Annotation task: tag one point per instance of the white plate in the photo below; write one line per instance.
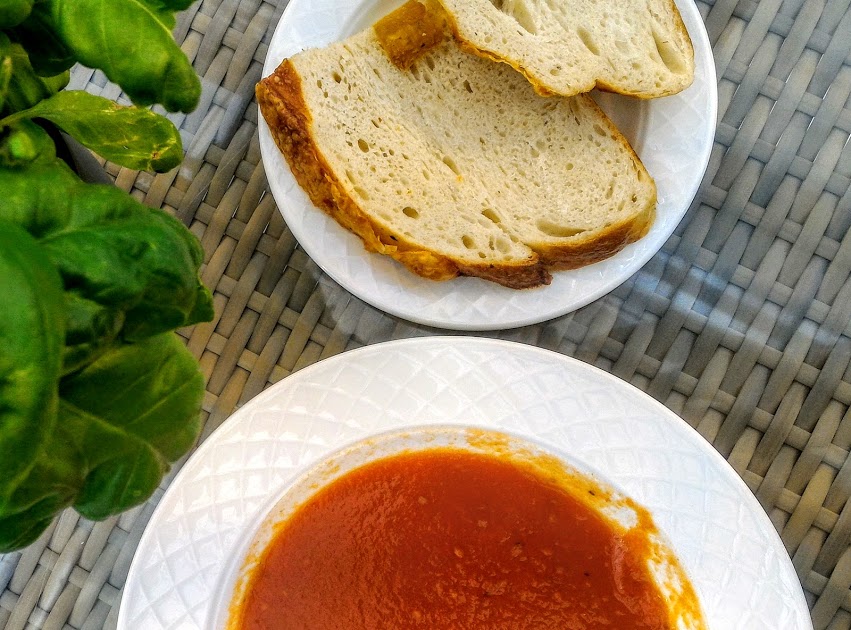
(673, 136)
(736, 560)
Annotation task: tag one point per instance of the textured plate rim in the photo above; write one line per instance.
(558, 302)
(412, 346)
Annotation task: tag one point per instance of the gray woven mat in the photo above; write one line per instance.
(740, 324)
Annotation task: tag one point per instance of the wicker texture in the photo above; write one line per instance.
(740, 324)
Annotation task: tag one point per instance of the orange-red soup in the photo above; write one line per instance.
(451, 539)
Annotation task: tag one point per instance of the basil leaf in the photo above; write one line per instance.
(31, 337)
(25, 143)
(130, 136)
(131, 42)
(6, 68)
(13, 12)
(158, 286)
(121, 483)
(90, 330)
(25, 87)
(111, 249)
(47, 52)
(121, 422)
(38, 198)
(134, 410)
(50, 487)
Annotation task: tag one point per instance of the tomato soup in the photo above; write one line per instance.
(451, 539)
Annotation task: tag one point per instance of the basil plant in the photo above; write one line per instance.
(98, 396)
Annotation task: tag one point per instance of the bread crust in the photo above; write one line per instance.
(600, 244)
(283, 106)
(596, 245)
(544, 89)
(410, 31)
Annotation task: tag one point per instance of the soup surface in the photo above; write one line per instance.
(446, 538)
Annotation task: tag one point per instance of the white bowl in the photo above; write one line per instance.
(573, 477)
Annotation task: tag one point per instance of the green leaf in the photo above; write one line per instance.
(13, 12)
(40, 198)
(25, 87)
(111, 249)
(157, 287)
(57, 82)
(131, 42)
(5, 78)
(6, 68)
(120, 483)
(31, 337)
(48, 54)
(21, 529)
(130, 136)
(122, 421)
(135, 409)
(49, 487)
(25, 143)
(91, 329)
(101, 434)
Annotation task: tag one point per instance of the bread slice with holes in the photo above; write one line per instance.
(455, 165)
(635, 47)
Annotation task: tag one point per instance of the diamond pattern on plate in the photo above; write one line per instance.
(673, 138)
(180, 577)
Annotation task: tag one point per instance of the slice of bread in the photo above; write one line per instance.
(635, 47)
(456, 166)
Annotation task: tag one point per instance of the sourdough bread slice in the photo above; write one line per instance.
(456, 166)
(635, 47)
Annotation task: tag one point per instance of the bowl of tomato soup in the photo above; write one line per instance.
(456, 528)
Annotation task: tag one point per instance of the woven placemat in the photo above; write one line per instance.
(740, 324)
